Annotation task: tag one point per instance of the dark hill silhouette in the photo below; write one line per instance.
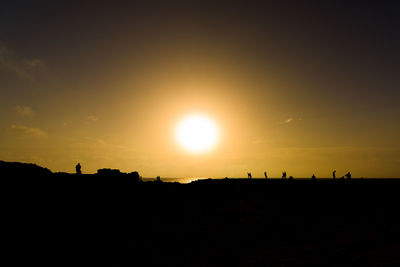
(62, 219)
(13, 169)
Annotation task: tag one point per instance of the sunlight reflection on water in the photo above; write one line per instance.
(173, 180)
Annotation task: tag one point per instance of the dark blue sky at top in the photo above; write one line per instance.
(354, 44)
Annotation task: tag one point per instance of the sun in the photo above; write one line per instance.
(197, 133)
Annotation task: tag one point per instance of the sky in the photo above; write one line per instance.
(304, 87)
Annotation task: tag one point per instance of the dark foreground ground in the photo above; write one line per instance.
(93, 221)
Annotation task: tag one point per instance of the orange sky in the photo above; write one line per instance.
(302, 90)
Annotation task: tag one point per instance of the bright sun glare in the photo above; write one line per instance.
(197, 133)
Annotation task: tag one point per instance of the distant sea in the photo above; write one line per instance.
(189, 180)
(173, 180)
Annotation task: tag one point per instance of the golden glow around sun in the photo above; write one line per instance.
(197, 133)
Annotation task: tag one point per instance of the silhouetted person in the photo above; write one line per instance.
(78, 169)
(348, 176)
(265, 174)
(249, 175)
(284, 175)
(313, 177)
(334, 174)
(158, 179)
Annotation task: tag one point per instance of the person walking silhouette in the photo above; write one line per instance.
(265, 174)
(284, 175)
(249, 175)
(78, 169)
(334, 174)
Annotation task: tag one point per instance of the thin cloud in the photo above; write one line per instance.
(93, 118)
(101, 142)
(24, 111)
(33, 63)
(25, 131)
(24, 68)
(288, 120)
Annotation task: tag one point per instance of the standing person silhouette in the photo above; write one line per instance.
(249, 175)
(265, 174)
(78, 169)
(284, 175)
(334, 174)
(348, 176)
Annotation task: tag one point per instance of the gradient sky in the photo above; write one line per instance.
(301, 86)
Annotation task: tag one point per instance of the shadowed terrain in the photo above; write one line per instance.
(62, 219)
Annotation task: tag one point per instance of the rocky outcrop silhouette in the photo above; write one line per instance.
(109, 172)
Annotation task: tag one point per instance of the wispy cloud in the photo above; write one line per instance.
(101, 142)
(93, 118)
(25, 131)
(32, 63)
(10, 61)
(24, 111)
(288, 120)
